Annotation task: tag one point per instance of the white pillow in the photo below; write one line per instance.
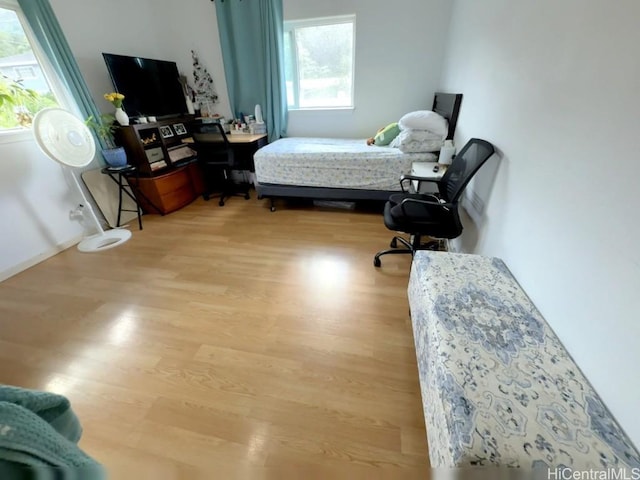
(410, 134)
(424, 120)
(417, 141)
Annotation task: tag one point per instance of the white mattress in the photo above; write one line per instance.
(334, 163)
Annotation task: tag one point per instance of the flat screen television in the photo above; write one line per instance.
(150, 87)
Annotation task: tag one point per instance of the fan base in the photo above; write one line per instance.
(104, 240)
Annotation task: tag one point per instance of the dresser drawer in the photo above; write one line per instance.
(154, 154)
(178, 198)
(172, 181)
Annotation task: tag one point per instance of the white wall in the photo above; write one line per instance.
(192, 25)
(398, 55)
(35, 200)
(554, 86)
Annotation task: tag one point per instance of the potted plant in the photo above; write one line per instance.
(105, 127)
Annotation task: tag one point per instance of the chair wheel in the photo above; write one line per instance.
(247, 197)
(376, 262)
(205, 196)
(273, 209)
(394, 243)
(221, 203)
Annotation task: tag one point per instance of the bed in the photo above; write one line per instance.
(340, 169)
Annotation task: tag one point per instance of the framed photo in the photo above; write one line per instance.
(179, 129)
(166, 132)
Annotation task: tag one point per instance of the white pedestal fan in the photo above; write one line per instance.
(66, 139)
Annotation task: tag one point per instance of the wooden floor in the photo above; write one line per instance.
(228, 343)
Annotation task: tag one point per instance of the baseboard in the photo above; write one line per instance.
(21, 267)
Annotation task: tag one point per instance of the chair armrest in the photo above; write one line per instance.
(435, 203)
(416, 178)
(425, 196)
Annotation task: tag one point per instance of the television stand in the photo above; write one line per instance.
(168, 173)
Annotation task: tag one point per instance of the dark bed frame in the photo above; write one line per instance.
(445, 104)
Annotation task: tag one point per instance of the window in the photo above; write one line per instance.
(319, 62)
(24, 88)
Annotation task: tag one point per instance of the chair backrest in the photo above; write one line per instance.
(464, 166)
(212, 144)
(210, 133)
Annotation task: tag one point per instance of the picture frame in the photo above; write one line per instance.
(166, 131)
(179, 128)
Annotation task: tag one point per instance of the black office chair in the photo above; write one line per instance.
(216, 160)
(436, 214)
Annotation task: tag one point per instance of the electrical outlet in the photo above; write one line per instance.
(77, 213)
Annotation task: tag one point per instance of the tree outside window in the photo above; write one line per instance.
(319, 60)
(24, 89)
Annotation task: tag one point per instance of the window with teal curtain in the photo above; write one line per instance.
(47, 31)
(251, 36)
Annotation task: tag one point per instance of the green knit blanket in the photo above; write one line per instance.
(38, 437)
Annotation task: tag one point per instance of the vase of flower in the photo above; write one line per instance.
(121, 116)
(116, 100)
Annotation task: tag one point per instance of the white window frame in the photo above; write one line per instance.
(290, 26)
(9, 135)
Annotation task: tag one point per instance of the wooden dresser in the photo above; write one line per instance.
(170, 191)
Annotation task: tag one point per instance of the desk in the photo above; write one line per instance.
(246, 138)
(244, 146)
(425, 170)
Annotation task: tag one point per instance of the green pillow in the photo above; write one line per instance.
(386, 135)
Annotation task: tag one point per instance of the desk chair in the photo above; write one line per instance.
(435, 215)
(216, 159)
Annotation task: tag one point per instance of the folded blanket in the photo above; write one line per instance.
(38, 436)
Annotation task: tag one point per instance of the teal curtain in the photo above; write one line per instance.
(47, 30)
(252, 40)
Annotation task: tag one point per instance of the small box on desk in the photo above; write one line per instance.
(257, 128)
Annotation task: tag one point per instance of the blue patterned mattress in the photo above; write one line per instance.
(498, 387)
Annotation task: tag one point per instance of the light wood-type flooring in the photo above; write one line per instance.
(228, 342)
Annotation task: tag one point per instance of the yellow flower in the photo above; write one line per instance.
(115, 98)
